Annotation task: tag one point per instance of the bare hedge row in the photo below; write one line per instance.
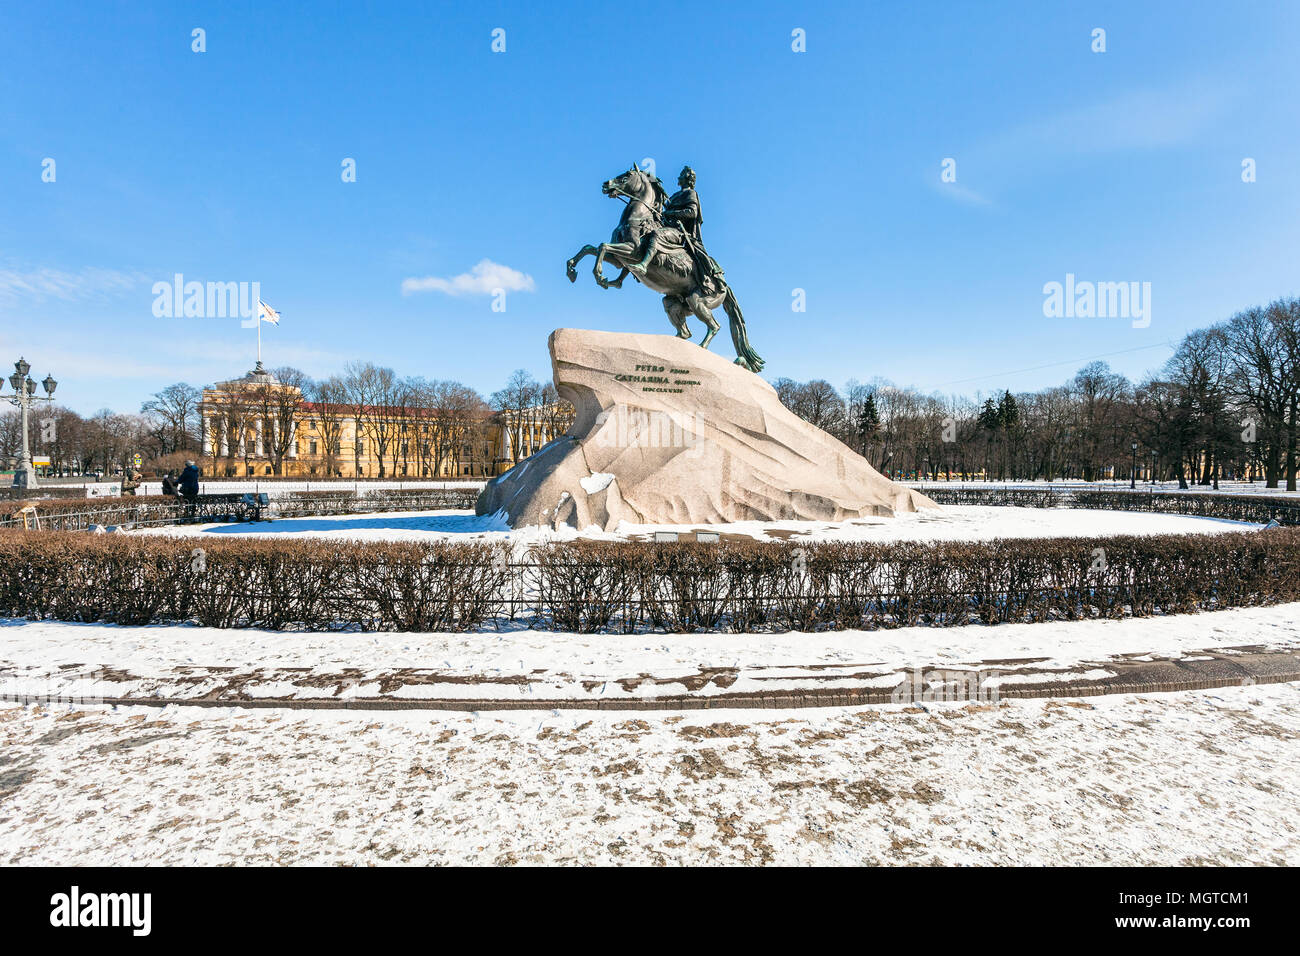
(10, 493)
(162, 509)
(602, 586)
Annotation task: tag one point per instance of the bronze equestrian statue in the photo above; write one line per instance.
(657, 241)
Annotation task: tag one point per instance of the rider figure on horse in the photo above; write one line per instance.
(682, 213)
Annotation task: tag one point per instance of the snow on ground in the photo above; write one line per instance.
(968, 523)
(49, 659)
(1205, 777)
(382, 526)
(952, 523)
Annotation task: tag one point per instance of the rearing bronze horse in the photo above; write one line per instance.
(671, 271)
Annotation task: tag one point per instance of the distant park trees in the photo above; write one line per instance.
(1225, 404)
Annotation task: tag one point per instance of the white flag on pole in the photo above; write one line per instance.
(267, 314)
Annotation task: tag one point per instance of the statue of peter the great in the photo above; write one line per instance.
(657, 240)
(681, 226)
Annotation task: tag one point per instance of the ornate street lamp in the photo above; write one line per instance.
(1132, 475)
(24, 394)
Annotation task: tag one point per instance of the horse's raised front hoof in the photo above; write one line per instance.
(570, 271)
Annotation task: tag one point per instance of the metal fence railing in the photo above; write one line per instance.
(1257, 509)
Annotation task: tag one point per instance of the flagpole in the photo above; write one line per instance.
(259, 334)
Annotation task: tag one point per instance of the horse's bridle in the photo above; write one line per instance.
(615, 188)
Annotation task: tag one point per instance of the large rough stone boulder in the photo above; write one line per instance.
(670, 433)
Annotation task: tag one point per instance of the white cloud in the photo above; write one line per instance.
(483, 279)
(42, 284)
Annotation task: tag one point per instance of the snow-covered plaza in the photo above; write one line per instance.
(1193, 778)
(953, 523)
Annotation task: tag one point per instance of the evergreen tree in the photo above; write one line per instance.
(868, 423)
(1008, 412)
(988, 417)
(989, 422)
(1008, 416)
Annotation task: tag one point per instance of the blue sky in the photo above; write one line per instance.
(817, 170)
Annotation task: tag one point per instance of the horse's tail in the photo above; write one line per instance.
(745, 354)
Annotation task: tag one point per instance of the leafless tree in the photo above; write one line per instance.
(275, 407)
(330, 407)
(11, 434)
(516, 405)
(371, 390)
(172, 418)
(1264, 374)
(557, 413)
(112, 439)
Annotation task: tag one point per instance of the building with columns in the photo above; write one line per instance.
(257, 426)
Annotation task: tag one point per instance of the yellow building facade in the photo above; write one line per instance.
(256, 426)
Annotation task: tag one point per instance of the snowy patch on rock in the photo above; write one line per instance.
(594, 483)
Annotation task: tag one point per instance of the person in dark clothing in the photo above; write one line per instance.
(189, 484)
(169, 487)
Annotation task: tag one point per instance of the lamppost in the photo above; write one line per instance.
(1133, 473)
(24, 395)
(1153, 469)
